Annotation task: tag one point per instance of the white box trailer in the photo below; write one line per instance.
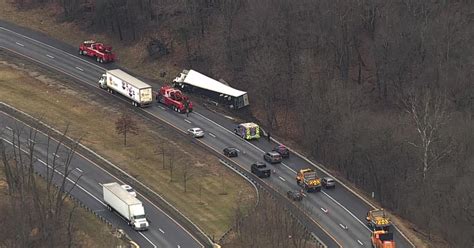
(131, 87)
(118, 199)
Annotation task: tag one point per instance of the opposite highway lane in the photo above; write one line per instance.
(345, 215)
(163, 231)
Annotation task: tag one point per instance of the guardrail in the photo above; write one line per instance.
(151, 195)
(255, 182)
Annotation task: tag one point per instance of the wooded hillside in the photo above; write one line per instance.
(380, 91)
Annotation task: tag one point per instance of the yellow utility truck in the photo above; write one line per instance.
(308, 180)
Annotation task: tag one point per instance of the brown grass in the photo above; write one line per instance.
(93, 118)
(132, 56)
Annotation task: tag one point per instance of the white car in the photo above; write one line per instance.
(196, 132)
(130, 190)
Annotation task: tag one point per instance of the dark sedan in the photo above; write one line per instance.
(231, 152)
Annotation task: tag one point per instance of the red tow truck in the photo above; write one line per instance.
(102, 53)
(174, 99)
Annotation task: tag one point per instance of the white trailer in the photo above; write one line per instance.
(131, 87)
(118, 199)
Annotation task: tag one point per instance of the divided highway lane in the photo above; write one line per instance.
(352, 208)
(163, 232)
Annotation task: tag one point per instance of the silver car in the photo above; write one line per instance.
(328, 182)
(196, 132)
(130, 190)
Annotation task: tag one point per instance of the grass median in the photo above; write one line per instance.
(212, 190)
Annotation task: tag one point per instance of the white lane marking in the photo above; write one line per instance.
(49, 56)
(161, 230)
(31, 141)
(56, 155)
(360, 242)
(324, 210)
(161, 107)
(77, 168)
(347, 210)
(79, 186)
(179, 246)
(197, 113)
(57, 49)
(9, 128)
(154, 246)
(61, 174)
(18, 43)
(79, 68)
(99, 167)
(212, 135)
(188, 121)
(318, 167)
(257, 148)
(281, 178)
(343, 227)
(229, 117)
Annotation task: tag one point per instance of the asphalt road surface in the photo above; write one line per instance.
(163, 231)
(340, 211)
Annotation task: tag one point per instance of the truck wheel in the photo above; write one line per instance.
(97, 58)
(80, 52)
(101, 60)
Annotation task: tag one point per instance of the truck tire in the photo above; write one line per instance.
(101, 60)
(80, 52)
(97, 58)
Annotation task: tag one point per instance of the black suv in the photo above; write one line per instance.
(272, 157)
(231, 152)
(260, 169)
(283, 150)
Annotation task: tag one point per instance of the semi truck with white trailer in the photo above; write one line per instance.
(140, 93)
(129, 207)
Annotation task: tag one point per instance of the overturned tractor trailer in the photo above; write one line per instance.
(140, 93)
(193, 81)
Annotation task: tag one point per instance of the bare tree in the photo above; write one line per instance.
(187, 174)
(41, 217)
(171, 164)
(125, 125)
(161, 151)
(429, 113)
(268, 225)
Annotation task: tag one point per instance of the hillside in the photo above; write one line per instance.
(381, 92)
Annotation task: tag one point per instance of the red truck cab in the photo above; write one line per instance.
(174, 99)
(102, 53)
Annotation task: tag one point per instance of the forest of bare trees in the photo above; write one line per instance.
(269, 225)
(380, 91)
(37, 213)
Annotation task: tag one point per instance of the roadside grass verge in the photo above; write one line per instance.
(212, 191)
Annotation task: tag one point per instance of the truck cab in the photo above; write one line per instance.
(139, 222)
(308, 180)
(378, 219)
(103, 81)
(382, 239)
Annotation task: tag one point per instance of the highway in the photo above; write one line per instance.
(163, 231)
(340, 211)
